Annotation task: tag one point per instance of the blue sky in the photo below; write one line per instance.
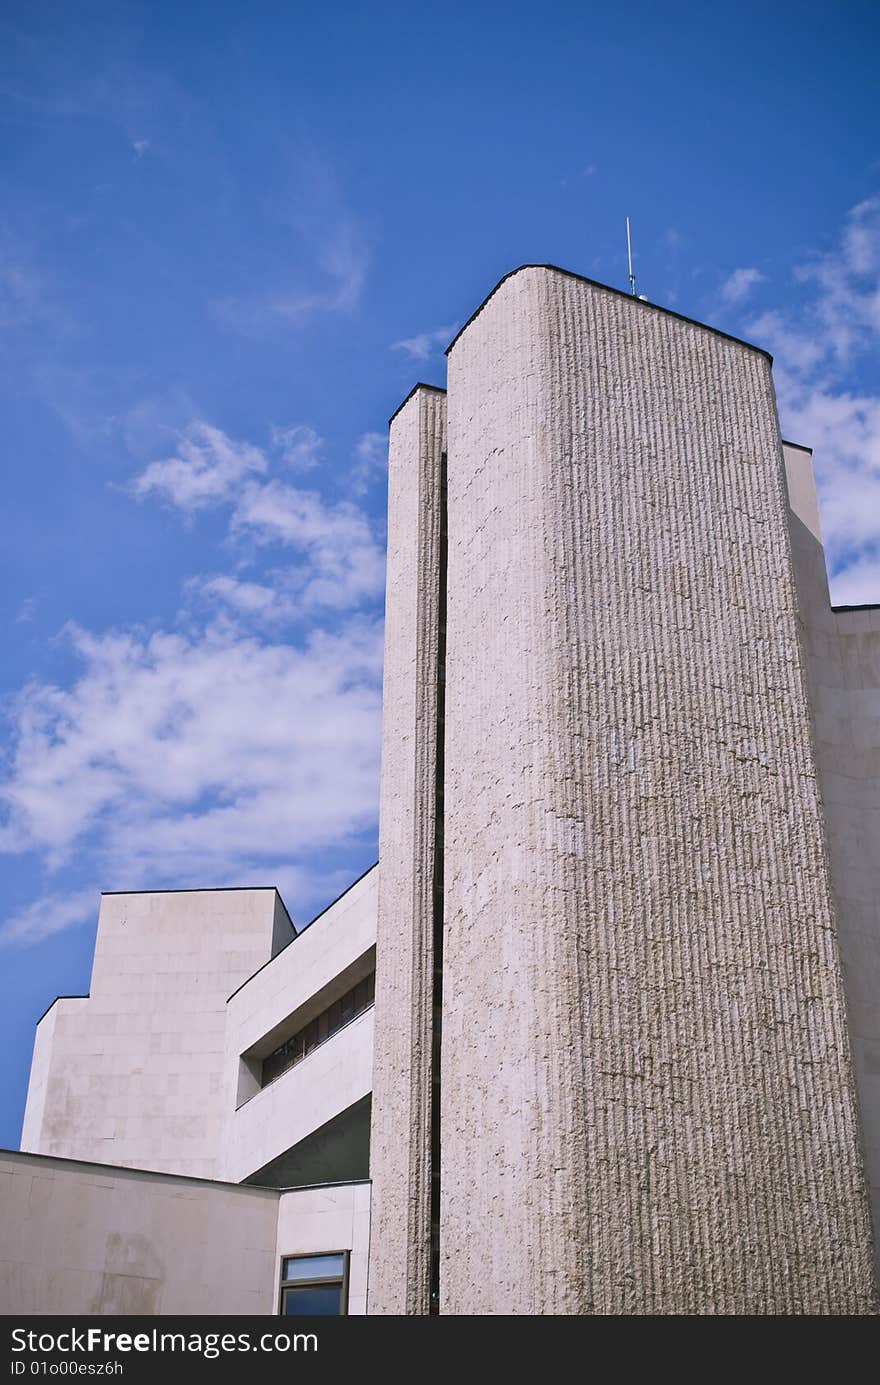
(231, 239)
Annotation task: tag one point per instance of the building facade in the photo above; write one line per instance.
(600, 1033)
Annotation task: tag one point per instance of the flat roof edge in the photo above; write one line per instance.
(312, 1187)
(211, 889)
(83, 995)
(619, 293)
(419, 385)
(203, 889)
(798, 446)
(132, 1169)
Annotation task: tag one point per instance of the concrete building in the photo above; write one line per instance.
(600, 1033)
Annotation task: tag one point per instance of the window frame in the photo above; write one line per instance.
(296, 1047)
(341, 1280)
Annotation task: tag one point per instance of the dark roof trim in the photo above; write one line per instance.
(203, 889)
(309, 1187)
(437, 389)
(135, 1170)
(867, 606)
(798, 446)
(84, 995)
(619, 293)
(304, 929)
(215, 889)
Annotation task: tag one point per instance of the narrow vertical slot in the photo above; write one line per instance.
(437, 984)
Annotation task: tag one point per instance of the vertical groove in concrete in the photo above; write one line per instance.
(438, 905)
(648, 1104)
(400, 1162)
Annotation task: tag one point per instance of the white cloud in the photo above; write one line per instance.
(425, 344)
(341, 559)
(370, 461)
(300, 446)
(140, 147)
(205, 469)
(740, 283)
(813, 345)
(858, 583)
(848, 282)
(844, 431)
(215, 753)
(252, 599)
(53, 913)
(344, 561)
(795, 347)
(178, 759)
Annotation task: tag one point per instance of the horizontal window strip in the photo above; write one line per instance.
(318, 1030)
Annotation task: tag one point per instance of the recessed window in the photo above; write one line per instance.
(322, 1027)
(314, 1285)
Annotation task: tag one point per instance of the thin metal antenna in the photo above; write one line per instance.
(629, 256)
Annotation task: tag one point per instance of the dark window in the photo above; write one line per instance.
(314, 1285)
(322, 1027)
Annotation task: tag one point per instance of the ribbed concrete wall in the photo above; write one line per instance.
(648, 1102)
(400, 1134)
(843, 662)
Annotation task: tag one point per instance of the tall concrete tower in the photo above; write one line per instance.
(612, 1071)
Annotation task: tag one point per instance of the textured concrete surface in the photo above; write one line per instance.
(648, 1087)
(133, 1074)
(400, 1154)
(648, 1101)
(843, 660)
(85, 1239)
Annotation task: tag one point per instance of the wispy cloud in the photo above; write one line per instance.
(340, 559)
(333, 283)
(259, 602)
(343, 562)
(205, 469)
(848, 282)
(27, 610)
(53, 913)
(241, 744)
(738, 285)
(370, 461)
(588, 171)
(328, 255)
(300, 446)
(795, 349)
(814, 346)
(425, 344)
(175, 759)
(28, 301)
